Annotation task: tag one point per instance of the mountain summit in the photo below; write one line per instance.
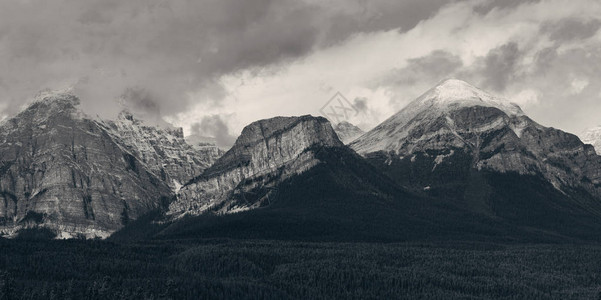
(433, 110)
(62, 170)
(454, 93)
(79, 176)
(267, 152)
(461, 142)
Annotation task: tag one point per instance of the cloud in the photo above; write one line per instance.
(571, 28)
(172, 49)
(431, 67)
(527, 98)
(216, 127)
(260, 58)
(360, 104)
(578, 85)
(500, 66)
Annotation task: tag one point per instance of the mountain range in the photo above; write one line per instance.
(79, 176)
(457, 162)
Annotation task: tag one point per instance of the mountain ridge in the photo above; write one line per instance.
(82, 176)
(266, 152)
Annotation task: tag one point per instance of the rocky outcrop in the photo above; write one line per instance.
(347, 132)
(64, 171)
(164, 151)
(490, 133)
(267, 152)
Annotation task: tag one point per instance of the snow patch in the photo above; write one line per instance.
(440, 158)
(518, 128)
(176, 186)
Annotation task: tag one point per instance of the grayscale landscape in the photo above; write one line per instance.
(300, 149)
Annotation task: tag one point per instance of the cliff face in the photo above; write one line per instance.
(61, 170)
(456, 124)
(164, 151)
(267, 152)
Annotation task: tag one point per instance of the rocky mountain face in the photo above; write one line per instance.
(451, 142)
(164, 151)
(266, 153)
(347, 132)
(80, 176)
(592, 136)
(62, 170)
(455, 163)
(455, 117)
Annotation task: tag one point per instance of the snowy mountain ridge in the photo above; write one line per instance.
(82, 176)
(163, 150)
(452, 93)
(449, 96)
(456, 121)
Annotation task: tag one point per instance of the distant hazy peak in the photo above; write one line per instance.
(347, 132)
(126, 115)
(51, 103)
(593, 136)
(52, 95)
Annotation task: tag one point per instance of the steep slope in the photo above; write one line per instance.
(61, 170)
(164, 151)
(347, 132)
(457, 142)
(340, 198)
(592, 136)
(267, 152)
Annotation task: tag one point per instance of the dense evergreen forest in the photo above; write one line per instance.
(260, 269)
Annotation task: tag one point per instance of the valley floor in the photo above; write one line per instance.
(257, 269)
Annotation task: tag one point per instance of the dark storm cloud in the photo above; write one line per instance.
(487, 6)
(169, 48)
(432, 67)
(214, 126)
(172, 48)
(360, 104)
(375, 15)
(544, 59)
(571, 29)
(501, 66)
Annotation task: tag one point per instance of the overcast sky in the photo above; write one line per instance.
(213, 66)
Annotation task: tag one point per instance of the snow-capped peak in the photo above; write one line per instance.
(439, 102)
(53, 95)
(454, 93)
(49, 102)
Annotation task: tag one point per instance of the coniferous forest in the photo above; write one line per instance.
(257, 269)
